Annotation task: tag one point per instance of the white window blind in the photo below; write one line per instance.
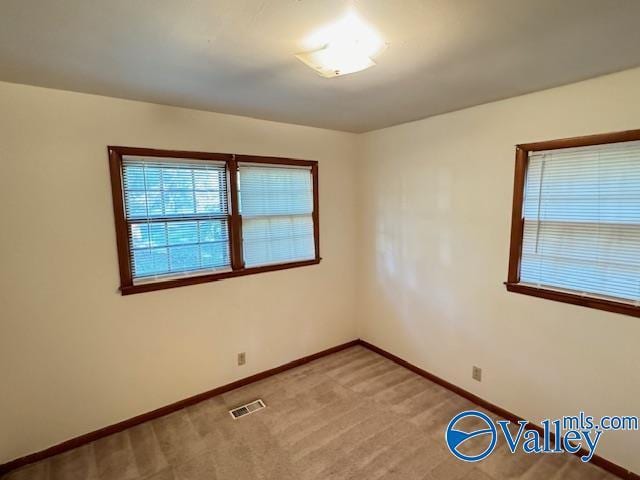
(177, 215)
(276, 204)
(582, 221)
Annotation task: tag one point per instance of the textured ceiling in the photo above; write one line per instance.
(236, 56)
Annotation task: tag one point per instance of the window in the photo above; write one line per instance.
(191, 217)
(276, 204)
(177, 217)
(576, 222)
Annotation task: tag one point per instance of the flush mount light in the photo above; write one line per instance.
(346, 46)
(333, 61)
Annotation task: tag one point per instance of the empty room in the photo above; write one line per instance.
(319, 239)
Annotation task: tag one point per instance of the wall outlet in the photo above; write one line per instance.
(476, 373)
(242, 358)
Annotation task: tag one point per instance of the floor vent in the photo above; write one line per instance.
(247, 409)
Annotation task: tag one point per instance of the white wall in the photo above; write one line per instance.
(74, 354)
(436, 205)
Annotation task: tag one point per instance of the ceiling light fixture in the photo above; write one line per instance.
(346, 46)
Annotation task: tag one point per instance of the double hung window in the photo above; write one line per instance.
(192, 217)
(576, 221)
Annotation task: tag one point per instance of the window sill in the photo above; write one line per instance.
(575, 299)
(181, 282)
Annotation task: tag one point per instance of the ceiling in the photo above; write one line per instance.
(237, 56)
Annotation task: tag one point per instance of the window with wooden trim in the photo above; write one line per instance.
(192, 217)
(576, 221)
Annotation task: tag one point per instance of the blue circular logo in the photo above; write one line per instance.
(455, 438)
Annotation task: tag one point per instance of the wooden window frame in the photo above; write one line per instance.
(127, 287)
(517, 224)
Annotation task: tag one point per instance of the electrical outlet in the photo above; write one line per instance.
(242, 358)
(476, 373)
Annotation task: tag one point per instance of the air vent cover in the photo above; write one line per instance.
(247, 409)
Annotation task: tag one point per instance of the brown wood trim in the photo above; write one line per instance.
(235, 219)
(575, 299)
(507, 415)
(235, 225)
(145, 417)
(122, 236)
(276, 160)
(589, 140)
(316, 208)
(182, 282)
(155, 152)
(517, 219)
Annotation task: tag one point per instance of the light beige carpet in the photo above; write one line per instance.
(351, 415)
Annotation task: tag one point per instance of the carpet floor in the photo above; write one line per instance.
(350, 415)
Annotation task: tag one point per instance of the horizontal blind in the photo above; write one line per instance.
(177, 216)
(582, 221)
(276, 204)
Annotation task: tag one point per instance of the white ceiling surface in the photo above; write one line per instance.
(237, 56)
